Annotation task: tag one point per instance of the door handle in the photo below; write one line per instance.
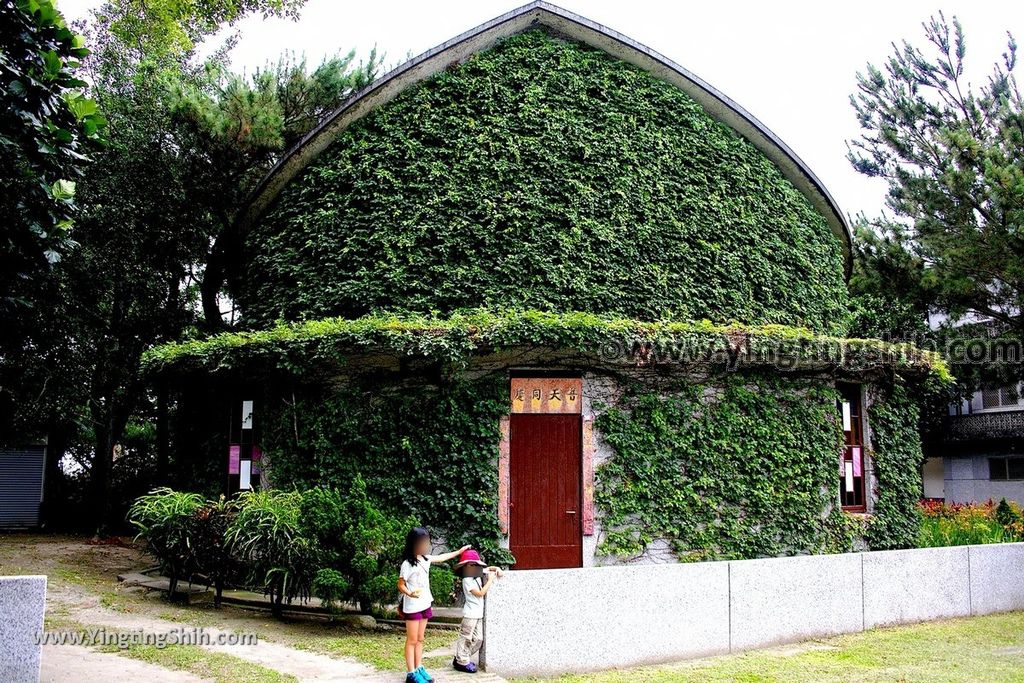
(570, 512)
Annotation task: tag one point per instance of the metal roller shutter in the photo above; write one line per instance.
(21, 486)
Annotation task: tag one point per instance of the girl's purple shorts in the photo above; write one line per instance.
(417, 616)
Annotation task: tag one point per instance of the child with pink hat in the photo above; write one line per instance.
(471, 568)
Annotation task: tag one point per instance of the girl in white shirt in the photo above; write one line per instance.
(415, 599)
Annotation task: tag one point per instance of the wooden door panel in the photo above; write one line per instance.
(545, 471)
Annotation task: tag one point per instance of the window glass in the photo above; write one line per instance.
(1015, 468)
(851, 465)
(990, 398)
(996, 468)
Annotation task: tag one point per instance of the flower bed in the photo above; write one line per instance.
(970, 524)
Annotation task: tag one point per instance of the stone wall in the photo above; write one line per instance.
(22, 605)
(574, 620)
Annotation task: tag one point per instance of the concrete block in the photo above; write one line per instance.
(906, 586)
(22, 605)
(961, 468)
(997, 579)
(574, 620)
(788, 599)
(960, 491)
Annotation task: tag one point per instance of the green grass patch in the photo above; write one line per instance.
(989, 648)
(216, 666)
(381, 649)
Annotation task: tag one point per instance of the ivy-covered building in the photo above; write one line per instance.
(551, 292)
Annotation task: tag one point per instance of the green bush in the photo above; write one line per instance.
(335, 545)
(267, 537)
(211, 557)
(442, 585)
(165, 519)
(1006, 514)
(355, 539)
(331, 587)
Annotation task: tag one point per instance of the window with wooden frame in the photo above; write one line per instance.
(852, 473)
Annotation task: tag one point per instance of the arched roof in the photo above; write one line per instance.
(574, 27)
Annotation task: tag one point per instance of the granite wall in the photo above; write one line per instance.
(22, 604)
(574, 620)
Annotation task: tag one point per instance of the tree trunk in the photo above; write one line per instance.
(57, 434)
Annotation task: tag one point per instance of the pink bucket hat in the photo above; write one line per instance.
(469, 557)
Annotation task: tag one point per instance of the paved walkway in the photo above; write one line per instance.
(63, 663)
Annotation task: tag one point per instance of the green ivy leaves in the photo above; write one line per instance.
(548, 175)
(744, 467)
(897, 458)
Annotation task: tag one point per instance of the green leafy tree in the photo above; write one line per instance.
(184, 142)
(953, 157)
(48, 129)
(242, 126)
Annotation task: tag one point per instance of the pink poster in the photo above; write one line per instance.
(234, 454)
(857, 460)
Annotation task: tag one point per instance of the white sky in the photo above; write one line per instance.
(791, 64)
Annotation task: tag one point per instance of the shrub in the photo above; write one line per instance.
(358, 540)
(331, 587)
(336, 545)
(211, 558)
(442, 586)
(1007, 513)
(268, 537)
(164, 518)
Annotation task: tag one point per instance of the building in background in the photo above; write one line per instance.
(979, 453)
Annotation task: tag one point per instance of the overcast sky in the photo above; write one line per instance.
(791, 64)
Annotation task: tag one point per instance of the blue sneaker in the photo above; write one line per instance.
(414, 677)
(424, 676)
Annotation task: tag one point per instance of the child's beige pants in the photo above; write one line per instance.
(471, 637)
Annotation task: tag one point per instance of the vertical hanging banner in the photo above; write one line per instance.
(234, 456)
(547, 395)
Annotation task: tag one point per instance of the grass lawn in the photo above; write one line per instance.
(987, 648)
(383, 650)
(215, 666)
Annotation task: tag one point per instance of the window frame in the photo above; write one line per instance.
(854, 438)
(1004, 463)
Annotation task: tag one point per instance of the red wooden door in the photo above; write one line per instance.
(544, 495)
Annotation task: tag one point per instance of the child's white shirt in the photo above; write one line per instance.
(416, 577)
(473, 607)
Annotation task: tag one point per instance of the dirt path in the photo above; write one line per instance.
(63, 663)
(83, 593)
